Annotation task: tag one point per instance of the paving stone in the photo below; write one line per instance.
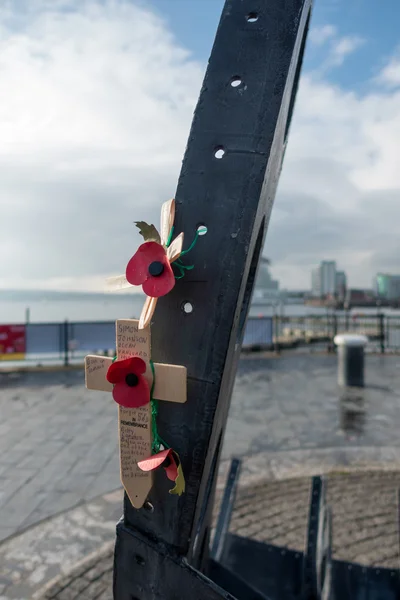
(279, 405)
(6, 532)
(13, 513)
(287, 416)
(282, 520)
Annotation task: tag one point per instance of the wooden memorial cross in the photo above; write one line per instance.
(135, 425)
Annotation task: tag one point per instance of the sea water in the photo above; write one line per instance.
(55, 307)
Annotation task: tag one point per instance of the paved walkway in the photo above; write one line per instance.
(58, 441)
(54, 546)
(364, 527)
(58, 446)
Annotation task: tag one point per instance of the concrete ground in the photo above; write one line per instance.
(58, 441)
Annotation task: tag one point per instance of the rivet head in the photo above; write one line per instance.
(131, 379)
(156, 268)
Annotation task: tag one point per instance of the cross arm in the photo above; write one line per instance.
(96, 368)
(170, 380)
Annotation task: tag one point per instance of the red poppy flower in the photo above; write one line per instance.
(169, 459)
(150, 268)
(156, 460)
(131, 389)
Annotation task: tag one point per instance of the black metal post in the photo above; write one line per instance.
(66, 342)
(333, 333)
(277, 331)
(228, 182)
(317, 566)
(225, 514)
(351, 365)
(347, 320)
(328, 324)
(381, 318)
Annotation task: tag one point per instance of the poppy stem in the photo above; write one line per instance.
(178, 263)
(169, 240)
(157, 441)
(192, 245)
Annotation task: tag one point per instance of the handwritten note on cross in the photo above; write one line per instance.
(135, 431)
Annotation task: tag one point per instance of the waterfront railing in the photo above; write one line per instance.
(69, 342)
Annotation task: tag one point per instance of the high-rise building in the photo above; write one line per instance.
(326, 281)
(341, 284)
(387, 286)
(316, 282)
(328, 277)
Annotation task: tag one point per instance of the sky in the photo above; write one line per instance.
(96, 102)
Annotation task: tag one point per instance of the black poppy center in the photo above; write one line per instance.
(131, 379)
(156, 268)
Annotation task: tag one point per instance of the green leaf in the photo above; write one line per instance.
(179, 483)
(149, 232)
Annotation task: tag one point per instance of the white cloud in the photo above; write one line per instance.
(338, 47)
(95, 110)
(318, 36)
(342, 48)
(339, 194)
(390, 74)
(96, 104)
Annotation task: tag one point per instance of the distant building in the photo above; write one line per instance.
(387, 287)
(294, 296)
(323, 279)
(328, 277)
(341, 284)
(358, 297)
(316, 284)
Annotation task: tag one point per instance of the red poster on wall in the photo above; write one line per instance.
(12, 342)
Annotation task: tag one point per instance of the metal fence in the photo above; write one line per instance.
(383, 331)
(69, 342)
(258, 333)
(60, 342)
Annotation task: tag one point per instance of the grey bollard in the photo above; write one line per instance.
(351, 359)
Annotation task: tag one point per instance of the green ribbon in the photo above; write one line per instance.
(178, 263)
(157, 439)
